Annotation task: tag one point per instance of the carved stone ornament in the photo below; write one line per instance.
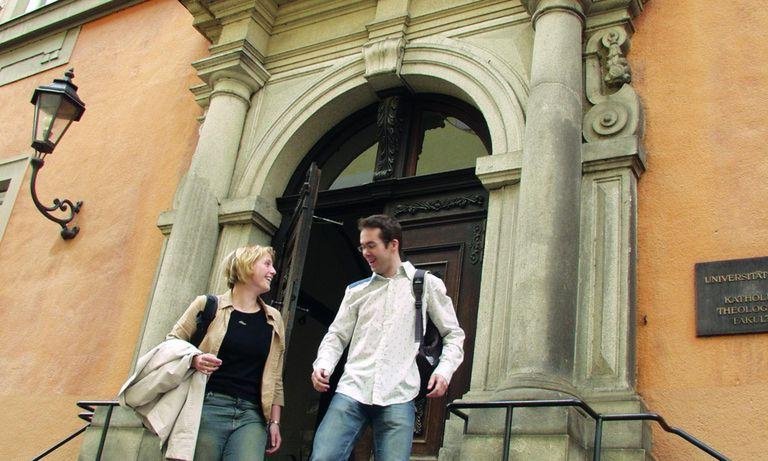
(383, 59)
(616, 111)
(615, 66)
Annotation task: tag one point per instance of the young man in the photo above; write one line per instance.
(380, 381)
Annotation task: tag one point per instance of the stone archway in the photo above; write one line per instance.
(443, 66)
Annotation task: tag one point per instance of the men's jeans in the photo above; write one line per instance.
(230, 429)
(345, 421)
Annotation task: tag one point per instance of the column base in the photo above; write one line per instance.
(127, 439)
(547, 433)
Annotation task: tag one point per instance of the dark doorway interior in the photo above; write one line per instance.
(419, 174)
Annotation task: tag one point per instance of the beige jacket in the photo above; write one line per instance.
(168, 395)
(272, 378)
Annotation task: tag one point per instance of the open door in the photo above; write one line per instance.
(294, 251)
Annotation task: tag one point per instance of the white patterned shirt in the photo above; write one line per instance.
(377, 320)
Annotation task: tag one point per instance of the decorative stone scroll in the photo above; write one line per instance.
(616, 111)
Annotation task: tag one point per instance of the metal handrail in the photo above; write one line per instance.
(90, 408)
(510, 405)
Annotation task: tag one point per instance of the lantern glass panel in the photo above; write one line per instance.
(54, 115)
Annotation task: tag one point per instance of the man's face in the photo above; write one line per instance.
(382, 258)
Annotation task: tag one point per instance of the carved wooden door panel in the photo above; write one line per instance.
(294, 250)
(453, 252)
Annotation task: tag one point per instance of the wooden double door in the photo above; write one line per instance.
(443, 219)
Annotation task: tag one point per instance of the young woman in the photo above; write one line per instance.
(243, 357)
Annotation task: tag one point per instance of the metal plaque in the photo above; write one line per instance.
(732, 297)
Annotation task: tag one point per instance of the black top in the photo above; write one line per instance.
(243, 353)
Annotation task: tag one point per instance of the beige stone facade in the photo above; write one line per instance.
(193, 137)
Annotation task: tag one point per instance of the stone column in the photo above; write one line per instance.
(188, 256)
(546, 242)
(531, 326)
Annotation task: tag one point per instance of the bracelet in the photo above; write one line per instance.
(272, 421)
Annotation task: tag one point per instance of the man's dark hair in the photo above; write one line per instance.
(390, 227)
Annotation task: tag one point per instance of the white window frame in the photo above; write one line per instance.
(13, 168)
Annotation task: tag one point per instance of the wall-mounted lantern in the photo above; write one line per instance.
(56, 107)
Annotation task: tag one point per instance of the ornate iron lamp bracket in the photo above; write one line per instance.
(65, 205)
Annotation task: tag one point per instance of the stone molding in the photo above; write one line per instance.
(392, 27)
(56, 17)
(499, 170)
(633, 7)
(245, 210)
(294, 15)
(538, 8)
(38, 56)
(611, 154)
(12, 168)
(211, 17)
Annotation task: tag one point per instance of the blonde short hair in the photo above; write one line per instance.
(238, 265)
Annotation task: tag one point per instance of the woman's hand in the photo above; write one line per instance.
(206, 363)
(273, 437)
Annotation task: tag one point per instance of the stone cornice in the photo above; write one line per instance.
(499, 170)
(211, 16)
(634, 7)
(58, 16)
(235, 211)
(611, 154)
(607, 13)
(299, 14)
(599, 13)
(538, 7)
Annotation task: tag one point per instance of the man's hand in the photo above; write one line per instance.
(438, 386)
(320, 380)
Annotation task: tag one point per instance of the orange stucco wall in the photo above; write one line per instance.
(700, 70)
(71, 311)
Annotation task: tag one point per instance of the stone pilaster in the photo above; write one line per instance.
(613, 161)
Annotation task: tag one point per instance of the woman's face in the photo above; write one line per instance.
(263, 271)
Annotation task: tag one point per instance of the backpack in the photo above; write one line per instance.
(430, 342)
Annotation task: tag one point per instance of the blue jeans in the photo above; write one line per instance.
(345, 421)
(230, 429)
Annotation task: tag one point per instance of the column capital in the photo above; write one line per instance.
(537, 8)
(240, 62)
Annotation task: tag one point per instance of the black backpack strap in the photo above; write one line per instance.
(418, 293)
(211, 303)
(205, 317)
